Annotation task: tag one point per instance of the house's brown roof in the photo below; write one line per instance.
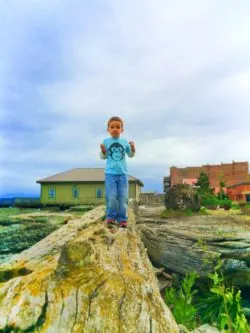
(240, 183)
(87, 175)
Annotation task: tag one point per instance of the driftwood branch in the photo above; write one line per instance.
(165, 285)
(159, 271)
(167, 276)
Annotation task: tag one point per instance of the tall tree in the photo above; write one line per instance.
(203, 183)
(222, 184)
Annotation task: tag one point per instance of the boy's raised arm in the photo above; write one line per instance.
(130, 149)
(103, 152)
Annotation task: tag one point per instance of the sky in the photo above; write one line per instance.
(177, 72)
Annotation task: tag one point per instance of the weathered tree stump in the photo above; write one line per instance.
(82, 278)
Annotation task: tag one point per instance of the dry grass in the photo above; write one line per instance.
(232, 215)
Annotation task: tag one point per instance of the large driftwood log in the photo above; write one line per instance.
(196, 242)
(83, 278)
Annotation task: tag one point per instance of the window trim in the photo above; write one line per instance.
(78, 192)
(96, 193)
(54, 193)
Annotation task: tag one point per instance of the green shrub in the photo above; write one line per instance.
(222, 305)
(210, 201)
(242, 203)
(226, 204)
(221, 196)
(181, 301)
(203, 210)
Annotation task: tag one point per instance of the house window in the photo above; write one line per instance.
(52, 193)
(75, 193)
(99, 193)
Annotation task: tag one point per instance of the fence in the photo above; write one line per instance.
(151, 199)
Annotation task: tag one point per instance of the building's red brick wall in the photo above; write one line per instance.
(232, 173)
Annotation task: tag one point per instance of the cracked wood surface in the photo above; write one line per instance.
(82, 278)
(195, 242)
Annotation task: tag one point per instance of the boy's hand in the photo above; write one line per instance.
(103, 149)
(132, 145)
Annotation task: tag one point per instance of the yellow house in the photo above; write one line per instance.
(80, 186)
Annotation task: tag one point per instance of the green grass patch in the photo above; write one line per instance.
(5, 212)
(15, 240)
(42, 219)
(7, 215)
(235, 206)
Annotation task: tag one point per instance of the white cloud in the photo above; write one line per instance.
(237, 86)
(178, 73)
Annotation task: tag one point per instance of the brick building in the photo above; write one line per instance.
(239, 192)
(232, 173)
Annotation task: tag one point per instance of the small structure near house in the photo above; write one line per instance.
(80, 186)
(151, 198)
(239, 192)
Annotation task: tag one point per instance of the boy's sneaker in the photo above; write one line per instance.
(110, 221)
(124, 224)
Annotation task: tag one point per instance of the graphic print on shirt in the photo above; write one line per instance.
(116, 151)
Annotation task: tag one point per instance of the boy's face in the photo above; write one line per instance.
(115, 129)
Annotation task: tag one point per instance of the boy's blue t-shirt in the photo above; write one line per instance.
(115, 155)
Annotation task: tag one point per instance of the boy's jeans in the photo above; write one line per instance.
(116, 187)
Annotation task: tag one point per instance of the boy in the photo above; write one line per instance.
(113, 149)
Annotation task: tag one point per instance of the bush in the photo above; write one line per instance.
(226, 204)
(203, 210)
(180, 301)
(211, 202)
(222, 305)
(242, 203)
(218, 304)
(221, 196)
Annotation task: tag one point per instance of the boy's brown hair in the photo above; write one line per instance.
(115, 119)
